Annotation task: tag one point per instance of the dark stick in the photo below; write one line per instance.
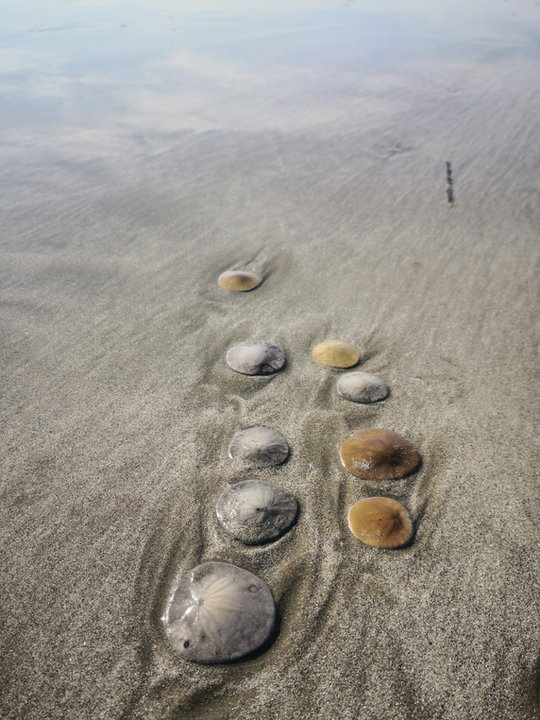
(449, 183)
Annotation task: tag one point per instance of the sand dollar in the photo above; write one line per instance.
(238, 280)
(376, 454)
(255, 357)
(380, 521)
(218, 612)
(362, 387)
(335, 353)
(256, 511)
(259, 446)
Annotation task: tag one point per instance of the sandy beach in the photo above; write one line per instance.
(143, 153)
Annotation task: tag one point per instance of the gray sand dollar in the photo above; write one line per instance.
(218, 612)
(256, 511)
(362, 387)
(255, 357)
(259, 446)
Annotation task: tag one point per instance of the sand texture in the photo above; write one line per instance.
(118, 406)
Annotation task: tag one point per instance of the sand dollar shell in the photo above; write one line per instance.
(335, 353)
(362, 387)
(256, 511)
(238, 280)
(255, 357)
(259, 446)
(381, 522)
(376, 454)
(218, 612)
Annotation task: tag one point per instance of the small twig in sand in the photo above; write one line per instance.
(449, 184)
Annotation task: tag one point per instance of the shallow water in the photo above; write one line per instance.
(143, 152)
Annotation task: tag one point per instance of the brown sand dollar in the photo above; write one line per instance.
(334, 353)
(376, 454)
(381, 521)
(238, 280)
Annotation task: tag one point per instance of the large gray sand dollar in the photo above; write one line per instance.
(255, 357)
(219, 612)
(259, 446)
(256, 511)
(362, 387)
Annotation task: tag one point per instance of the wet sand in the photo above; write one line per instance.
(118, 406)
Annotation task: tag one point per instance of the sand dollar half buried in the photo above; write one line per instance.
(376, 454)
(219, 612)
(255, 357)
(335, 353)
(380, 521)
(256, 511)
(362, 387)
(259, 446)
(238, 280)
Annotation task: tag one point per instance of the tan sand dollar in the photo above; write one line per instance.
(381, 521)
(238, 280)
(335, 353)
(376, 454)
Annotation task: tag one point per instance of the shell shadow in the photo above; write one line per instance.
(272, 637)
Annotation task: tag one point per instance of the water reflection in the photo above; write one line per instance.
(105, 79)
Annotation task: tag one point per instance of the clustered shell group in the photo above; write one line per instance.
(219, 612)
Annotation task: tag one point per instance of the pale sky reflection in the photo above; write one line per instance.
(91, 86)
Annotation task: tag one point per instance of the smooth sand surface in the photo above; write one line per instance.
(120, 210)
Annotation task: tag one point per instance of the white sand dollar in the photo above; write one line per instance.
(218, 612)
(256, 511)
(255, 357)
(362, 387)
(259, 446)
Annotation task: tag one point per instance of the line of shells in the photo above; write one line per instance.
(219, 612)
